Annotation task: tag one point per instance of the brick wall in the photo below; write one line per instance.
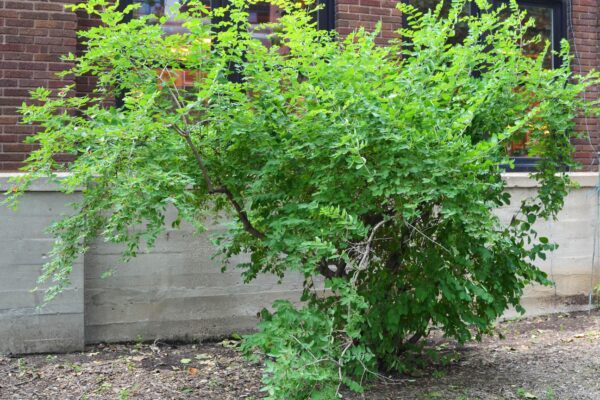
(584, 35)
(34, 33)
(352, 14)
(33, 36)
(84, 84)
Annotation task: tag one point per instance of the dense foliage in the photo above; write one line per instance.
(374, 168)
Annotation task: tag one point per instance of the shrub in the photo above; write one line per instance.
(377, 168)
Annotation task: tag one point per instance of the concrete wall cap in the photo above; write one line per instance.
(40, 185)
(513, 180)
(524, 180)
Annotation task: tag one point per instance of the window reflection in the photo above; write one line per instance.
(262, 12)
(461, 27)
(543, 27)
(150, 7)
(259, 13)
(543, 15)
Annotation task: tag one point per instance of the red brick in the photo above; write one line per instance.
(18, 5)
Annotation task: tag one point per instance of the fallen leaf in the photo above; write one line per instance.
(193, 371)
(230, 344)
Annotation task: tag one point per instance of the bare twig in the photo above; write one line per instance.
(365, 258)
(427, 237)
(364, 261)
(340, 365)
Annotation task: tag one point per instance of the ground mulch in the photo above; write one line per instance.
(546, 358)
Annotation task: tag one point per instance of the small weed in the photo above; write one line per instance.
(51, 357)
(129, 364)
(433, 395)
(139, 342)
(187, 390)
(105, 387)
(524, 394)
(550, 394)
(124, 394)
(75, 367)
(22, 365)
(439, 374)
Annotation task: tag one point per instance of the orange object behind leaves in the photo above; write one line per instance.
(180, 78)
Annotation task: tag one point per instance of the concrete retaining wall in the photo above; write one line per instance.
(571, 266)
(174, 292)
(178, 292)
(23, 250)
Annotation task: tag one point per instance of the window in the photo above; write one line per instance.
(259, 13)
(160, 8)
(548, 16)
(550, 24)
(461, 29)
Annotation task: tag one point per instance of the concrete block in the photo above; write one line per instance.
(24, 245)
(39, 333)
(174, 290)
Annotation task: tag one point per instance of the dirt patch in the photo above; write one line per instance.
(546, 358)
(140, 371)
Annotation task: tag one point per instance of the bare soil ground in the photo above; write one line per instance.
(546, 358)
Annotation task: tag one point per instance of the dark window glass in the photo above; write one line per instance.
(548, 16)
(262, 13)
(259, 13)
(461, 28)
(549, 26)
(544, 27)
(150, 7)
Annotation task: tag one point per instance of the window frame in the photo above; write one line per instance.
(559, 20)
(559, 32)
(326, 18)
